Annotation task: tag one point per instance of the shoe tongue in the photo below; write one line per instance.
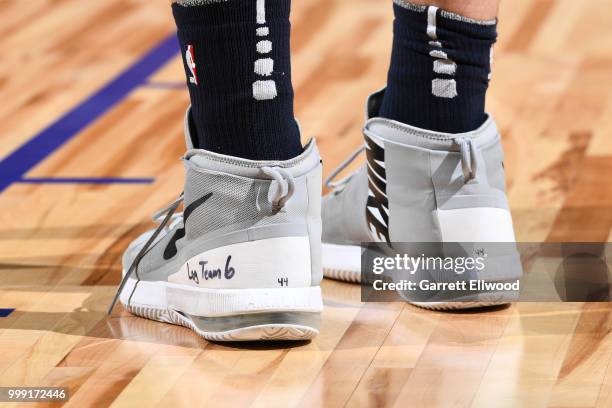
(373, 103)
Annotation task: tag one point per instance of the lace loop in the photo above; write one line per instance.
(469, 158)
(282, 188)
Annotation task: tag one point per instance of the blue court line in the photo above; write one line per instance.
(6, 312)
(85, 180)
(15, 166)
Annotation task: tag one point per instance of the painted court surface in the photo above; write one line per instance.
(92, 98)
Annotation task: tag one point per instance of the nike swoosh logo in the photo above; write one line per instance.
(171, 249)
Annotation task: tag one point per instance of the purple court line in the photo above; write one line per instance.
(85, 180)
(15, 166)
(6, 312)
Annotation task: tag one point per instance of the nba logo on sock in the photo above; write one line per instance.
(190, 60)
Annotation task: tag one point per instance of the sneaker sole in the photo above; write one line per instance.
(343, 263)
(489, 299)
(229, 314)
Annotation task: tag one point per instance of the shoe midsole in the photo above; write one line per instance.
(206, 302)
(236, 322)
(342, 257)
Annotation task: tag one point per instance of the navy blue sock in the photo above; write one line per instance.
(440, 68)
(237, 61)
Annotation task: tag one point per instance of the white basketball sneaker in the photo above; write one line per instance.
(242, 262)
(418, 186)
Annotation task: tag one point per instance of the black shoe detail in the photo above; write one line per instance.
(374, 203)
(171, 249)
(375, 154)
(376, 183)
(377, 207)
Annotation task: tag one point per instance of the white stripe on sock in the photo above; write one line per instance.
(440, 87)
(264, 46)
(438, 54)
(445, 66)
(264, 66)
(444, 88)
(431, 22)
(264, 90)
(261, 11)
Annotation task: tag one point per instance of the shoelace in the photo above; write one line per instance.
(281, 191)
(467, 149)
(170, 209)
(329, 181)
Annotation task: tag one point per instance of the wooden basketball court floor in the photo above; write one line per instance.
(92, 98)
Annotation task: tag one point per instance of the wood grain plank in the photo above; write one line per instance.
(60, 246)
